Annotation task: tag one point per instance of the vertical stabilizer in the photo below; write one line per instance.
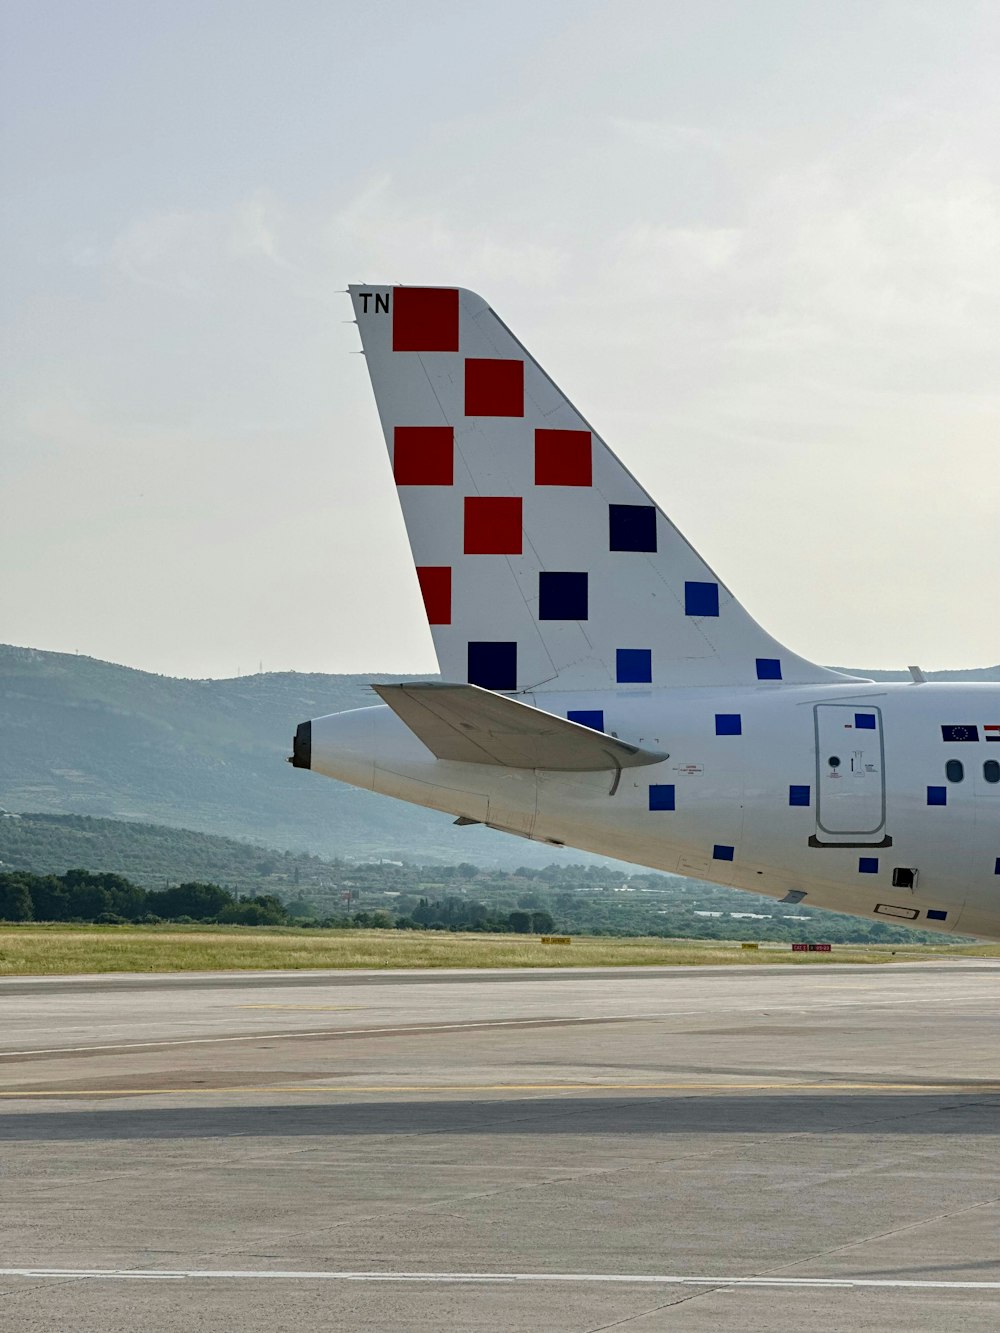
(542, 561)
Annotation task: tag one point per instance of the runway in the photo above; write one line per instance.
(757, 1149)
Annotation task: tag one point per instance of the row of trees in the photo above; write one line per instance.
(82, 895)
(463, 914)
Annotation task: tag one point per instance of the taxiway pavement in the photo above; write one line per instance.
(756, 1148)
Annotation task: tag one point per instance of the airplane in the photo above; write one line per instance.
(602, 689)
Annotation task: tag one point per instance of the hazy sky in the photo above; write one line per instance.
(757, 243)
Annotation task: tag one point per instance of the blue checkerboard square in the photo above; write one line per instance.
(937, 795)
(701, 599)
(662, 796)
(867, 865)
(632, 527)
(728, 724)
(588, 717)
(634, 666)
(562, 596)
(798, 795)
(493, 665)
(723, 853)
(768, 668)
(864, 721)
(933, 914)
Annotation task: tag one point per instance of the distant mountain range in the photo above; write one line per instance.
(81, 736)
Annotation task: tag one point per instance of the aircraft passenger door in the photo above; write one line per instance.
(850, 776)
(985, 774)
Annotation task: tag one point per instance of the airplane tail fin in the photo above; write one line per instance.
(542, 561)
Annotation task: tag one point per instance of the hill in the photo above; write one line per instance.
(88, 737)
(155, 855)
(81, 736)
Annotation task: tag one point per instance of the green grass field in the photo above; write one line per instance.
(62, 950)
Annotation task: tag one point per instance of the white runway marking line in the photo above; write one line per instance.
(621, 1279)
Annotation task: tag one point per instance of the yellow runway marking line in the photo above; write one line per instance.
(350, 1090)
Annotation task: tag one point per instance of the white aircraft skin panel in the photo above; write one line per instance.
(780, 777)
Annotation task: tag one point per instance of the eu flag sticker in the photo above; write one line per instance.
(960, 733)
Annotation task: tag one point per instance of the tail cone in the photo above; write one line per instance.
(302, 746)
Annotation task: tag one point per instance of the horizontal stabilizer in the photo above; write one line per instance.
(470, 725)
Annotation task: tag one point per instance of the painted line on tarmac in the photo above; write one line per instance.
(347, 1090)
(619, 1279)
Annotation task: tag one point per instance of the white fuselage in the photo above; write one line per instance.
(751, 801)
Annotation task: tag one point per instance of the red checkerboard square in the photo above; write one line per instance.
(562, 458)
(435, 584)
(424, 319)
(494, 388)
(423, 455)
(492, 525)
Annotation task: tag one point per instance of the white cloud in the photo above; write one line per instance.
(408, 239)
(185, 252)
(253, 232)
(664, 136)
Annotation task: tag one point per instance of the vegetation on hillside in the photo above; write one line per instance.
(155, 855)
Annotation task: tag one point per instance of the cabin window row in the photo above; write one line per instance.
(954, 770)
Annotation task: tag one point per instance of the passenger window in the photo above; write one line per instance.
(991, 770)
(954, 770)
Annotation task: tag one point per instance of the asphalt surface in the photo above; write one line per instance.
(757, 1148)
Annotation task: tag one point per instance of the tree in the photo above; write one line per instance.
(88, 896)
(300, 909)
(50, 898)
(519, 922)
(201, 902)
(128, 900)
(542, 923)
(263, 910)
(15, 899)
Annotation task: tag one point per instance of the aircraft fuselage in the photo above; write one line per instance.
(849, 795)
